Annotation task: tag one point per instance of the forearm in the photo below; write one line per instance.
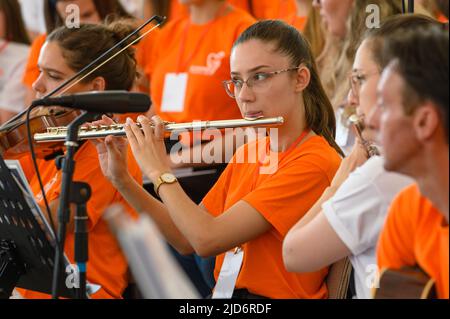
(195, 223)
(143, 202)
(291, 243)
(313, 243)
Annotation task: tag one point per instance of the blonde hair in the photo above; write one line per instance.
(315, 32)
(335, 82)
(428, 8)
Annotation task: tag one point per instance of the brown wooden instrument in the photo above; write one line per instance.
(405, 283)
(14, 141)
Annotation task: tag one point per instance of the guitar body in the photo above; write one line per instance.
(405, 283)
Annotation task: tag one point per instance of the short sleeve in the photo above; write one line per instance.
(357, 211)
(395, 247)
(146, 53)
(215, 200)
(285, 197)
(31, 70)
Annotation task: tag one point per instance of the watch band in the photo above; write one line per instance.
(160, 181)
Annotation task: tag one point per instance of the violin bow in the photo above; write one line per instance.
(88, 70)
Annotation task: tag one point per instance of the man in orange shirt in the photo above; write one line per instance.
(412, 119)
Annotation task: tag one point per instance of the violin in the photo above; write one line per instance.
(14, 140)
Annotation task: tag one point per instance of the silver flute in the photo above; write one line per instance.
(58, 134)
(358, 125)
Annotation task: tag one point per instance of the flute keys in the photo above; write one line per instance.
(115, 127)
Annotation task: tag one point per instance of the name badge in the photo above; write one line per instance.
(228, 274)
(174, 93)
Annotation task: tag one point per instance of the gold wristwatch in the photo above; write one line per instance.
(166, 178)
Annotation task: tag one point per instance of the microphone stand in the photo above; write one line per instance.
(79, 197)
(80, 193)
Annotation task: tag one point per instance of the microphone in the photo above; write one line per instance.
(101, 102)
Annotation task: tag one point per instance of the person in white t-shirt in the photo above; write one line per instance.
(348, 218)
(14, 46)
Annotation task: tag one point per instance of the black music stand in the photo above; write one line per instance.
(26, 250)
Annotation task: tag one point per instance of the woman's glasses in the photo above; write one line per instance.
(357, 78)
(256, 81)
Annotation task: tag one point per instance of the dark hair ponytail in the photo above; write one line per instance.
(319, 112)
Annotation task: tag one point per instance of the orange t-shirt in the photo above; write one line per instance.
(267, 9)
(177, 10)
(210, 48)
(282, 199)
(32, 71)
(107, 265)
(297, 22)
(26, 162)
(144, 49)
(416, 233)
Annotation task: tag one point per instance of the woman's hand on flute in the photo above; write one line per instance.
(148, 146)
(112, 155)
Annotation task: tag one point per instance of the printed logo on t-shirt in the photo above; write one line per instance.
(213, 63)
(47, 187)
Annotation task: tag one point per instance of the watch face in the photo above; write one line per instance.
(168, 178)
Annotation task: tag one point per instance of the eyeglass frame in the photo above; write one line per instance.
(271, 74)
(354, 74)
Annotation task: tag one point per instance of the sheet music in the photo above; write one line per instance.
(19, 176)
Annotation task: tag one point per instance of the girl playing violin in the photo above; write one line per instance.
(65, 52)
